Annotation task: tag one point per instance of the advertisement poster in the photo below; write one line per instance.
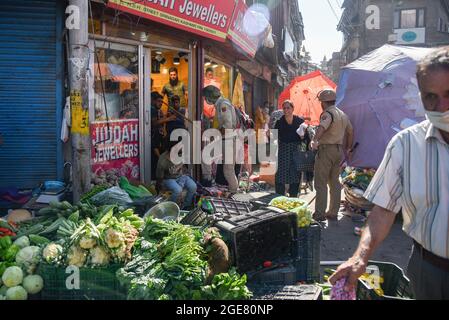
(237, 33)
(115, 150)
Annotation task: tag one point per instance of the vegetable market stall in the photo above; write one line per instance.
(102, 248)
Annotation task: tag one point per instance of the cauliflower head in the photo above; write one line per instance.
(87, 242)
(99, 256)
(114, 238)
(76, 257)
(52, 253)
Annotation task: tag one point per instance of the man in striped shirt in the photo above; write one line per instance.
(414, 177)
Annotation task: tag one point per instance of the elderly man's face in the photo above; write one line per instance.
(434, 87)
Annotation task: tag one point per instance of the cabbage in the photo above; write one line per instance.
(28, 258)
(52, 253)
(33, 284)
(12, 277)
(22, 242)
(16, 293)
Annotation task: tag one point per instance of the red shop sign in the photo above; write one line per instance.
(115, 148)
(237, 32)
(207, 18)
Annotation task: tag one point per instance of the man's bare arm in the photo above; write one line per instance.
(377, 229)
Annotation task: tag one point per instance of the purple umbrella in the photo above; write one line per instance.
(380, 95)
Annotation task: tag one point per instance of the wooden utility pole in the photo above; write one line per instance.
(78, 62)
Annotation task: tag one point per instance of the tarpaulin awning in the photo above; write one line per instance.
(303, 92)
(115, 73)
(379, 93)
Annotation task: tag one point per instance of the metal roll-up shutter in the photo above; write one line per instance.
(31, 72)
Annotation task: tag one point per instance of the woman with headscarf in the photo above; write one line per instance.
(288, 151)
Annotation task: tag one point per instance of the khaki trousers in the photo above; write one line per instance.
(327, 171)
(229, 168)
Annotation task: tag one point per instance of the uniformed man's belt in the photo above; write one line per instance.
(330, 145)
(433, 259)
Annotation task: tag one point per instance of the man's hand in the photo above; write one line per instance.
(349, 154)
(352, 270)
(314, 145)
(376, 230)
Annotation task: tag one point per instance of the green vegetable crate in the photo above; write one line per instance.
(94, 283)
(396, 285)
(308, 262)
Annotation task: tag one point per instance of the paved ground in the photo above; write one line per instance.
(338, 241)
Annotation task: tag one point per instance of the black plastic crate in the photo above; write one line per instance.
(285, 275)
(308, 262)
(300, 292)
(264, 235)
(197, 217)
(225, 207)
(396, 286)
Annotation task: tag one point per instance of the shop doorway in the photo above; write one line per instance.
(123, 79)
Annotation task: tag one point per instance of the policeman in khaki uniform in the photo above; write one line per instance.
(225, 118)
(329, 141)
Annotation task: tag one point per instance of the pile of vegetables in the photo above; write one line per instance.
(161, 260)
(170, 263)
(357, 177)
(107, 238)
(18, 262)
(287, 204)
(297, 206)
(7, 229)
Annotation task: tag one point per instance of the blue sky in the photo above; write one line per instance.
(320, 27)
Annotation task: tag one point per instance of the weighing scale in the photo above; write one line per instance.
(53, 191)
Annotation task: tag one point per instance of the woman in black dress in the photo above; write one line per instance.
(288, 151)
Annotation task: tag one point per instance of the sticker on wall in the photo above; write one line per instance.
(80, 116)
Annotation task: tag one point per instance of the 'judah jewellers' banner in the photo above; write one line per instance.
(207, 18)
(237, 33)
(115, 149)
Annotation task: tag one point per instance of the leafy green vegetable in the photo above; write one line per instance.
(170, 263)
(227, 286)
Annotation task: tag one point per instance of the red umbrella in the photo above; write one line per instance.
(303, 92)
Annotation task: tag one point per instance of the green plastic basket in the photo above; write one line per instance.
(94, 283)
(396, 285)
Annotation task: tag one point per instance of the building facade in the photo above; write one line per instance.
(369, 24)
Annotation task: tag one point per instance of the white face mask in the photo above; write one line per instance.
(439, 119)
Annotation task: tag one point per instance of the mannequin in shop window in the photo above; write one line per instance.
(175, 87)
(209, 109)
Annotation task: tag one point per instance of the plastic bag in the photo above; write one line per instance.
(133, 191)
(114, 195)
